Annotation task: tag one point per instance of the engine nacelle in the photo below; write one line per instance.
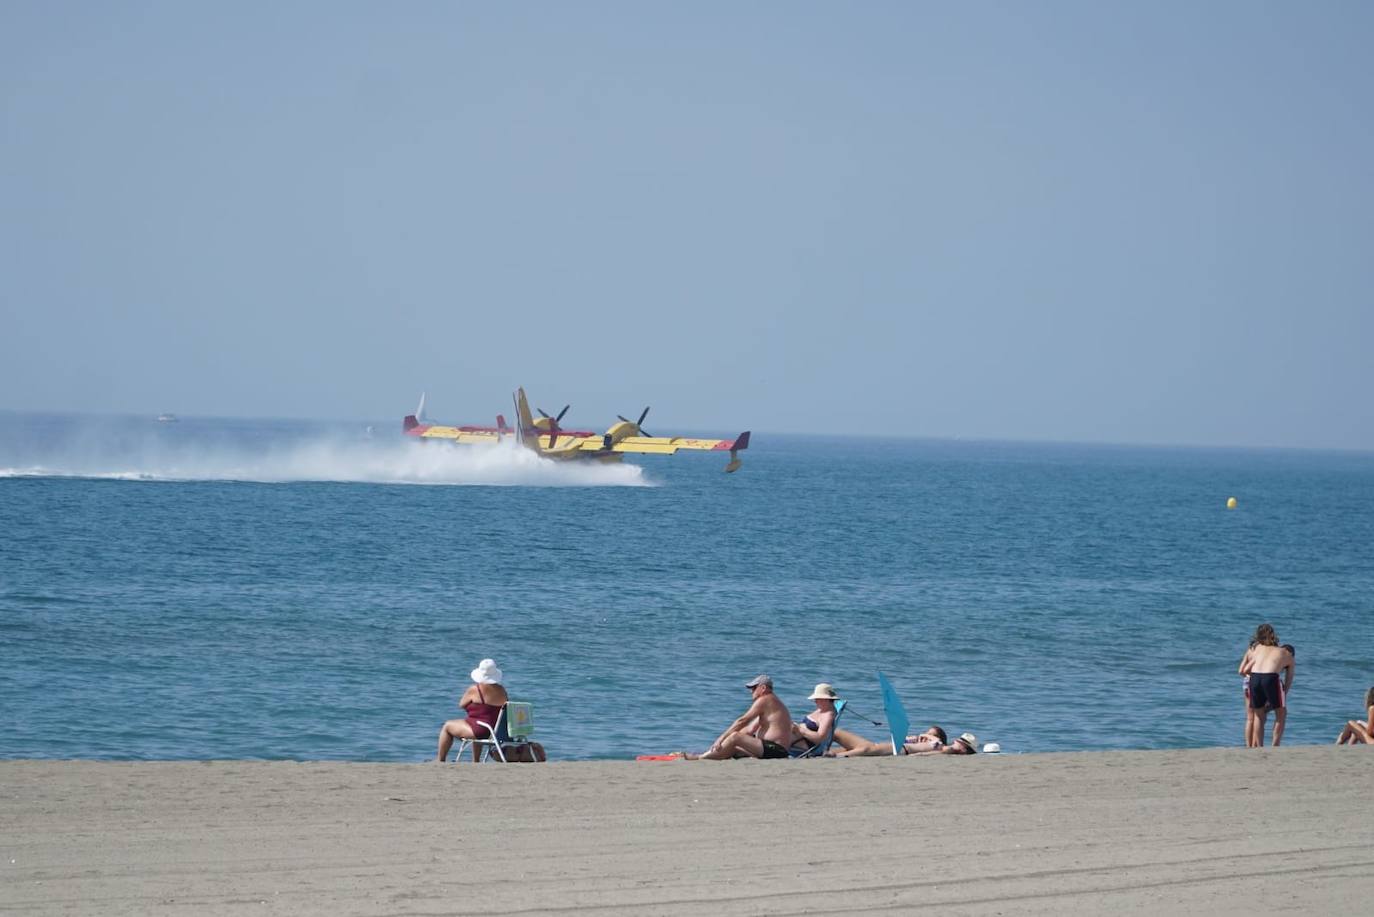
(620, 430)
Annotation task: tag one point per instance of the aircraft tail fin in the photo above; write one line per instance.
(418, 418)
(501, 427)
(523, 418)
(741, 442)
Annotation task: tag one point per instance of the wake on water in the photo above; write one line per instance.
(316, 457)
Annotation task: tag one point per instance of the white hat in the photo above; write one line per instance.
(992, 748)
(486, 673)
(970, 740)
(823, 691)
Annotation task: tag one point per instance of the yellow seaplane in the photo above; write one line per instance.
(544, 435)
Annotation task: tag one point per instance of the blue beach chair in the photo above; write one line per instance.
(820, 748)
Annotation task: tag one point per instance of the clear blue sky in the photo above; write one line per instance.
(1083, 221)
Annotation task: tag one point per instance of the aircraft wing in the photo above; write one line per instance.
(568, 442)
(662, 444)
(667, 445)
(466, 435)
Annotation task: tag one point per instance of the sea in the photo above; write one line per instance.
(273, 589)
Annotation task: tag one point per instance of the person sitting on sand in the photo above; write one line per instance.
(1281, 712)
(856, 746)
(815, 726)
(1360, 731)
(1262, 663)
(482, 702)
(764, 731)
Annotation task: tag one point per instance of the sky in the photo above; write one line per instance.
(1101, 222)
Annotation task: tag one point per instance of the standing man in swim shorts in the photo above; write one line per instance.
(762, 732)
(1263, 663)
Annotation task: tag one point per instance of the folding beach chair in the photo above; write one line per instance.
(820, 748)
(514, 726)
(489, 744)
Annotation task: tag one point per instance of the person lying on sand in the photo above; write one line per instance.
(815, 726)
(856, 746)
(966, 744)
(1360, 731)
(764, 731)
(930, 742)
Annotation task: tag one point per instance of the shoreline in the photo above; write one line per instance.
(1227, 830)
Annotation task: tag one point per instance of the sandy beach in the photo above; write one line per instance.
(1224, 831)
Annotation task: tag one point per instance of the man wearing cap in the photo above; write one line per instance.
(762, 732)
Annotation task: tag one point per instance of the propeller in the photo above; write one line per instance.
(639, 424)
(554, 428)
(560, 414)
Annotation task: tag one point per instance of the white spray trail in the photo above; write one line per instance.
(329, 458)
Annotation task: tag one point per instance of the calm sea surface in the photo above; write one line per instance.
(233, 589)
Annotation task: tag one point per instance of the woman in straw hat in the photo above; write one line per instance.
(815, 726)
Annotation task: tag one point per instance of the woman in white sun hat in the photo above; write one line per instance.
(482, 702)
(815, 726)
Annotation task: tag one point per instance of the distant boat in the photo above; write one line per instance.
(168, 418)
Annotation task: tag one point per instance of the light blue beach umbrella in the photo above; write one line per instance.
(897, 723)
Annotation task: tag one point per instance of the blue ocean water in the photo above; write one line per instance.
(265, 589)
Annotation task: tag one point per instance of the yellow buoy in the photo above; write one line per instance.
(1230, 502)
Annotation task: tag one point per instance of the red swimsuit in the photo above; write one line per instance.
(483, 713)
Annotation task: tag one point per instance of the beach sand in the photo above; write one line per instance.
(1220, 831)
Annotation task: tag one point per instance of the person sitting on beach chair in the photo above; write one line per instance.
(856, 746)
(764, 731)
(482, 702)
(816, 725)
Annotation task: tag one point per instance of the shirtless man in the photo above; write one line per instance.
(1263, 662)
(762, 732)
